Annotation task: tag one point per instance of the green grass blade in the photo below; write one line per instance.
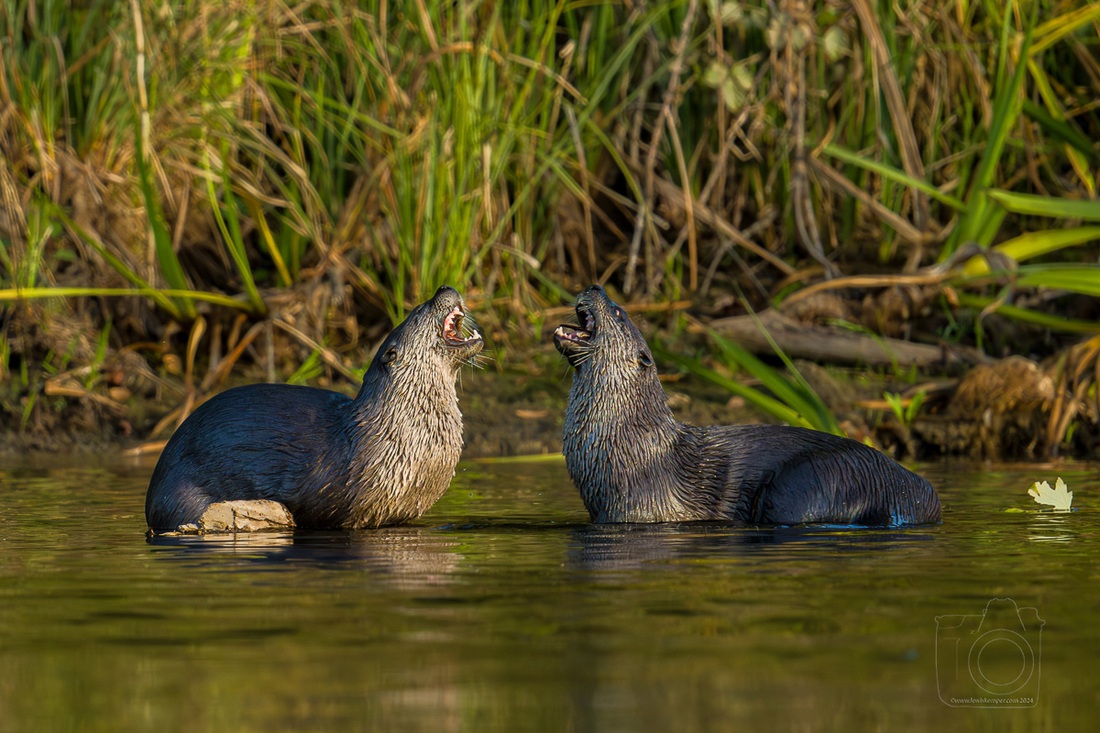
(15, 294)
(163, 301)
(770, 405)
(235, 242)
(1084, 279)
(1061, 26)
(170, 267)
(1035, 244)
(1025, 315)
(1006, 111)
(1059, 208)
(273, 250)
(1061, 130)
(796, 394)
(230, 229)
(893, 174)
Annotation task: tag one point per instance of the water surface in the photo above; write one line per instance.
(504, 610)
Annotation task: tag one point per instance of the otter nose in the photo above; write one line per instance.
(445, 289)
(596, 290)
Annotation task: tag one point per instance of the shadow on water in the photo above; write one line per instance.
(437, 550)
(402, 554)
(633, 546)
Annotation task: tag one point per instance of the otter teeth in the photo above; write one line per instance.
(454, 323)
(569, 332)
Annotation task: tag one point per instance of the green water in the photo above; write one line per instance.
(502, 610)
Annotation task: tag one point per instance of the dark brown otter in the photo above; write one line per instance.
(634, 462)
(381, 458)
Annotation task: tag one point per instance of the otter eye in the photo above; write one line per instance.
(389, 356)
(617, 313)
(644, 360)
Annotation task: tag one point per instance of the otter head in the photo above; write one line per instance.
(607, 350)
(432, 342)
(406, 428)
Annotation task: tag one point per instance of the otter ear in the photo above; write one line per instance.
(644, 359)
(388, 357)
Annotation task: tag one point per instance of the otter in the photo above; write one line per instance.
(632, 461)
(381, 458)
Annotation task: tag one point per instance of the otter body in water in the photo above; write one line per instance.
(634, 462)
(381, 458)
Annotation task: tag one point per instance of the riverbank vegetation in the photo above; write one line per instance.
(196, 191)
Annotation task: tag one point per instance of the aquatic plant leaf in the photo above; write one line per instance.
(1060, 498)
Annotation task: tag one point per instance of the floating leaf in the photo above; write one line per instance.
(1059, 497)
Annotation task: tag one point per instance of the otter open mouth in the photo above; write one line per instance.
(455, 331)
(579, 334)
(571, 334)
(572, 340)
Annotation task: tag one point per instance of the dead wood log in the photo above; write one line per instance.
(832, 345)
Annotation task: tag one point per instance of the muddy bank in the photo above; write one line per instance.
(1009, 409)
(507, 411)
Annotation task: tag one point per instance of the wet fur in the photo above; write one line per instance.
(634, 462)
(381, 458)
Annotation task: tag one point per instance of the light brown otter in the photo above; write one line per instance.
(381, 458)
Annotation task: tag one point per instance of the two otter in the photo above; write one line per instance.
(634, 462)
(386, 456)
(381, 458)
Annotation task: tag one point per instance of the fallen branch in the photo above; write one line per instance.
(833, 345)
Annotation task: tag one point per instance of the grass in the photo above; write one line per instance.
(330, 164)
(784, 396)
